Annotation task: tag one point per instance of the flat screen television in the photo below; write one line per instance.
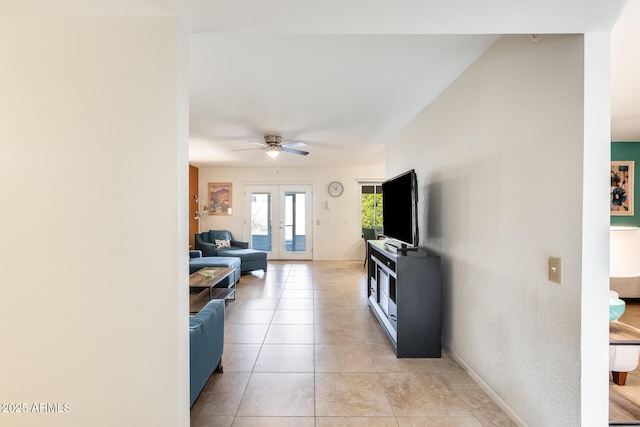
(400, 210)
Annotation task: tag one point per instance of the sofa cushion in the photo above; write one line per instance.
(223, 243)
(219, 235)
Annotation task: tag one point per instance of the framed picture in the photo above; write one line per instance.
(219, 198)
(621, 195)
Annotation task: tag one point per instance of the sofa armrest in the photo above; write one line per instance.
(195, 254)
(238, 244)
(208, 249)
(206, 344)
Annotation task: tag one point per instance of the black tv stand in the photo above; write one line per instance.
(405, 296)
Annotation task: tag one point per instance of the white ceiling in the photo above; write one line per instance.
(346, 78)
(399, 16)
(344, 95)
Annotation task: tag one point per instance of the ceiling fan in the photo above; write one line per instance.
(274, 146)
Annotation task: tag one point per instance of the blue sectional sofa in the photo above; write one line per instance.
(250, 259)
(206, 344)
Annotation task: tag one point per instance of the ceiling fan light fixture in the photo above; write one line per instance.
(273, 151)
(273, 146)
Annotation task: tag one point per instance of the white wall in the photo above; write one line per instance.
(89, 135)
(595, 231)
(338, 234)
(499, 158)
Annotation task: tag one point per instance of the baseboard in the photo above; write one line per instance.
(484, 386)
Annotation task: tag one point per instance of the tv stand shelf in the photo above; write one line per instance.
(405, 295)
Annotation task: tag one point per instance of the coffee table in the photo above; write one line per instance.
(208, 278)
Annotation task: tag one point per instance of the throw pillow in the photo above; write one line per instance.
(223, 243)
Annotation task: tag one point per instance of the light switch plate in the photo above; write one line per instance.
(555, 270)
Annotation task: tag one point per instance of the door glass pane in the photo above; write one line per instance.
(372, 207)
(294, 222)
(261, 221)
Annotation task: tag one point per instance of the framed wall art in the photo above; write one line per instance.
(622, 182)
(219, 198)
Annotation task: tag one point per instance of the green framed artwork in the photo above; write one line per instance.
(622, 181)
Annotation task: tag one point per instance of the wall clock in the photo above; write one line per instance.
(335, 189)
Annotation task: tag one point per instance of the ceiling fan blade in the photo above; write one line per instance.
(247, 149)
(294, 151)
(294, 144)
(260, 143)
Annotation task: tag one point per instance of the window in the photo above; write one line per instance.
(371, 202)
(261, 221)
(294, 221)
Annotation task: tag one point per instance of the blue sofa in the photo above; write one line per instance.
(206, 343)
(250, 259)
(197, 261)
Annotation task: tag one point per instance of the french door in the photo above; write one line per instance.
(278, 220)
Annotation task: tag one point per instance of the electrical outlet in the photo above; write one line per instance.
(555, 270)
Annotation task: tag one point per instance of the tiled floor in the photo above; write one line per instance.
(302, 349)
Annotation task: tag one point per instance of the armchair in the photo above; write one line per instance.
(206, 242)
(367, 234)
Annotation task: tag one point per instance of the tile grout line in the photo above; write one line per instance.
(313, 323)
